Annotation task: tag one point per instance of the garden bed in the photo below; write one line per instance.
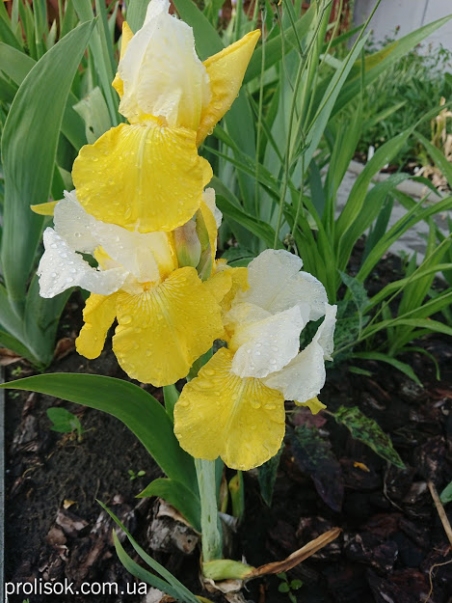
(392, 539)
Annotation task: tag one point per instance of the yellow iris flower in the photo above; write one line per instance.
(234, 408)
(155, 177)
(167, 316)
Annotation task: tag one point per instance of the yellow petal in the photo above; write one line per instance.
(219, 284)
(239, 283)
(44, 209)
(226, 71)
(99, 314)
(142, 177)
(162, 331)
(127, 35)
(220, 414)
(313, 404)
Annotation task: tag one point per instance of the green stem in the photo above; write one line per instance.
(211, 534)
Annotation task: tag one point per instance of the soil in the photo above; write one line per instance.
(392, 549)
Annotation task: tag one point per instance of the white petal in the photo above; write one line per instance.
(162, 73)
(267, 345)
(209, 199)
(74, 225)
(277, 284)
(145, 256)
(61, 268)
(303, 378)
(325, 333)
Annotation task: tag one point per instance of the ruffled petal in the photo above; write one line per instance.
(75, 225)
(220, 414)
(162, 331)
(61, 268)
(154, 177)
(239, 283)
(303, 378)
(226, 71)
(98, 314)
(277, 284)
(264, 344)
(219, 284)
(147, 256)
(325, 333)
(161, 72)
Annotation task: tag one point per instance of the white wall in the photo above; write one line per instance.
(408, 15)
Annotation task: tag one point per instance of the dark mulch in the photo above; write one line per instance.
(392, 549)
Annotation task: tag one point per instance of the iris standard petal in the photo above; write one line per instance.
(98, 314)
(226, 71)
(147, 256)
(277, 284)
(264, 345)
(61, 268)
(304, 376)
(162, 331)
(154, 177)
(161, 72)
(220, 414)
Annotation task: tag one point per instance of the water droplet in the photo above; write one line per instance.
(54, 246)
(69, 279)
(255, 404)
(77, 235)
(126, 320)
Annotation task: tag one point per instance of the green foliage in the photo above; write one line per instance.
(410, 87)
(366, 430)
(40, 139)
(288, 586)
(64, 421)
(446, 494)
(164, 580)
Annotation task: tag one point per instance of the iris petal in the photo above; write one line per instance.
(226, 71)
(99, 314)
(155, 178)
(162, 331)
(220, 414)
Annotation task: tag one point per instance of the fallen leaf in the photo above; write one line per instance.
(296, 557)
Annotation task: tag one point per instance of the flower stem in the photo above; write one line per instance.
(210, 526)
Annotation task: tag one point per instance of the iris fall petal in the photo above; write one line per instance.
(155, 177)
(98, 314)
(220, 414)
(162, 331)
